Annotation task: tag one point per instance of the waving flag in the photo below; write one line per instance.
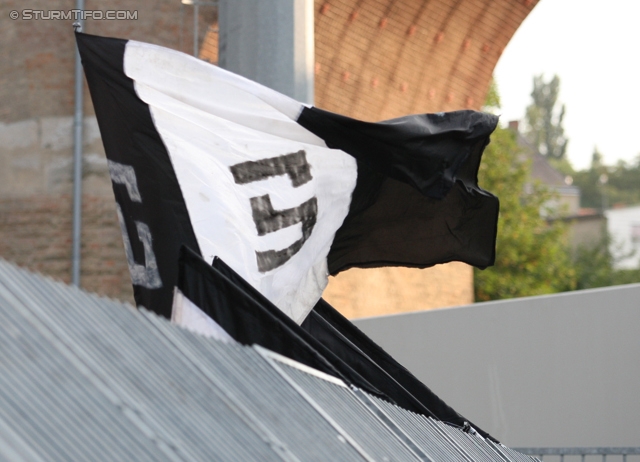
(234, 306)
(325, 341)
(283, 193)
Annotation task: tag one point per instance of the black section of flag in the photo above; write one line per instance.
(338, 334)
(250, 318)
(417, 201)
(135, 149)
(360, 360)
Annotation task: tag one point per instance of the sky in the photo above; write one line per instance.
(593, 46)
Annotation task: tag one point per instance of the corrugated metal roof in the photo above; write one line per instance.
(352, 415)
(87, 378)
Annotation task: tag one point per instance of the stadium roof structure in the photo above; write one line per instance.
(88, 378)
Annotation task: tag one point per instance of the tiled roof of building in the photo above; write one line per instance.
(542, 170)
(88, 378)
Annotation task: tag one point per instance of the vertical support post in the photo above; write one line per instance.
(196, 13)
(269, 42)
(77, 165)
(181, 42)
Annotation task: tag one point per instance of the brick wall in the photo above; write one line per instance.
(373, 292)
(37, 66)
(35, 233)
(379, 59)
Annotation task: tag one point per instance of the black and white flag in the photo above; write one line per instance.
(217, 302)
(285, 194)
(232, 305)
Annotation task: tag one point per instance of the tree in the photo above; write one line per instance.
(532, 253)
(595, 266)
(602, 185)
(532, 256)
(590, 183)
(544, 119)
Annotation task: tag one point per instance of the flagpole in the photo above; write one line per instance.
(77, 160)
(195, 28)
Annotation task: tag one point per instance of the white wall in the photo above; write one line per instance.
(559, 370)
(620, 224)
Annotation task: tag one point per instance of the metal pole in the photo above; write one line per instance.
(195, 28)
(181, 27)
(77, 165)
(270, 43)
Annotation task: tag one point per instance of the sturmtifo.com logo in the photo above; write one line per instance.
(75, 15)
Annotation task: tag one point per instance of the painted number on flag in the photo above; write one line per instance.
(269, 220)
(146, 275)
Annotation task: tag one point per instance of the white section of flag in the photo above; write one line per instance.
(186, 314)
(209, 120)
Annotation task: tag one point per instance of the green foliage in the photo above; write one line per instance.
(544, 119)
(532, 257)
(590, 184)
(532, 253)
(595, 267)
(622, 184)
(492, 100)
(562, 165)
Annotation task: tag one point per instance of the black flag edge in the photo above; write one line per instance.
(145, 181)
(355, 365)
(253, 319)
(337, 332)
(339, 336)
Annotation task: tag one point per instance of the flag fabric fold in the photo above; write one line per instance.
(249, 318)
(285, 194)
(325, 341)
(187, 314)
(341, 336)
